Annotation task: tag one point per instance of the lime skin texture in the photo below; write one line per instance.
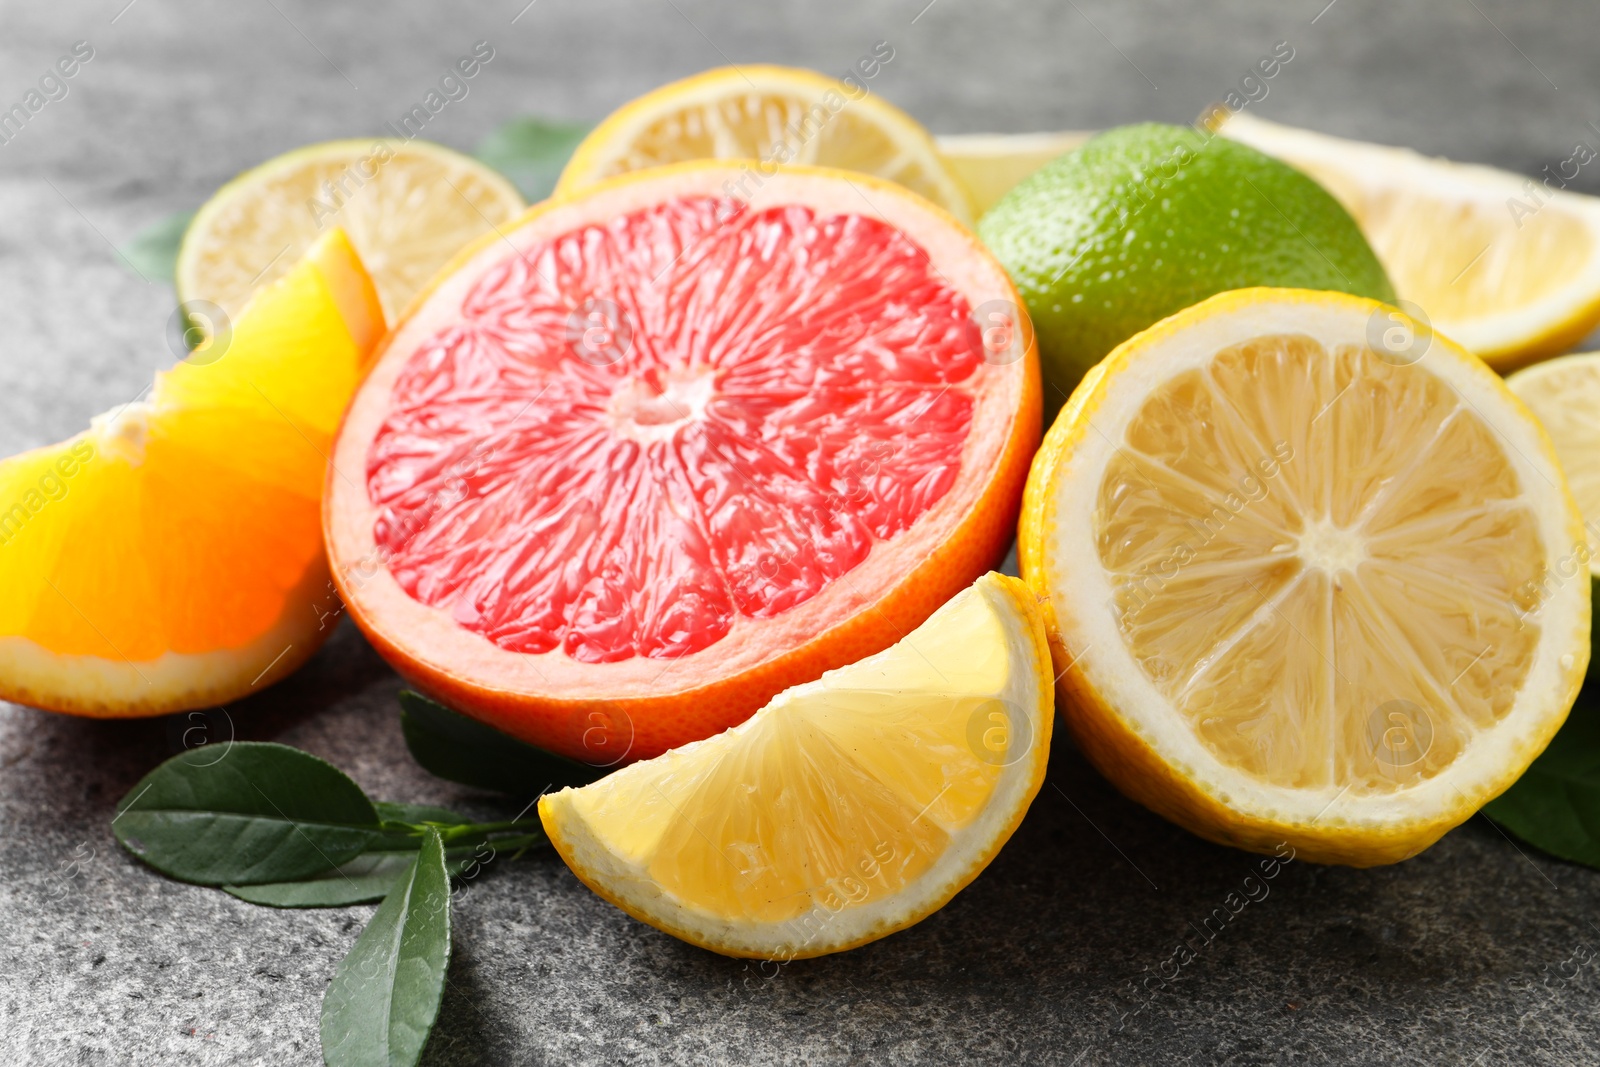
(1143, 221)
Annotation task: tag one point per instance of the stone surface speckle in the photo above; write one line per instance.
(1476, 952)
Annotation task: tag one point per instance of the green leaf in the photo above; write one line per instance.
(385, 994)
(396, 839)
(417, 813)
(362, 880)
(465, 750)
(531, 152)
(365, 879)
(153, 251)
(259, 812)
(1555, 805)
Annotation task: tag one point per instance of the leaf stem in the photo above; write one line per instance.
(449, 833)
(521, 843)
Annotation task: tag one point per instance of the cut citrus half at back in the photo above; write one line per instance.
(170, 557)
(846, 809)
(771, 116)
(1309, 584)
(1503, 264)
(989, 165)
(657, 454)
(1565, 395)
(407, 206)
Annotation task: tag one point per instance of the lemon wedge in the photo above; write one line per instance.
(1503, 264)
(847, 808)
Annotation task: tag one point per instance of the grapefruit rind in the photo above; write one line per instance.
(624, 881)
(1125, 725)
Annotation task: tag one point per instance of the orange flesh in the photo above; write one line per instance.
(182, 522)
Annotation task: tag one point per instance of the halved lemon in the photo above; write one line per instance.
(407, 206)
(847, 808)
(988, 165)
(1565, 395)
(1501, 263)
(170, 556)
(771, 115)
(1310, 573)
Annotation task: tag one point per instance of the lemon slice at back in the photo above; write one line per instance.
(990, 165)
(771, 115)
(847, 808)
(1565, 395)
(407, 206)
(1498, 262)
(1310, 582)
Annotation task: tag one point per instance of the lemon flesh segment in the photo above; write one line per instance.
(989, 165)
(1498, 262)
(847, 808)
(1324, 589)
(171, 555)
(1564, 394)
(407, 207)
(774, 115)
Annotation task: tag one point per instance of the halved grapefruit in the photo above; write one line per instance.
(657, 454)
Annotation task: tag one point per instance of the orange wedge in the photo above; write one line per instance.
(170, 556)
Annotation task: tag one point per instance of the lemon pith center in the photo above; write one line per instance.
(1331, 547)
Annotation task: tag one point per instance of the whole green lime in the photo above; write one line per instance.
(1143, 221)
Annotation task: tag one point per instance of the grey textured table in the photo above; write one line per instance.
(1476, 952)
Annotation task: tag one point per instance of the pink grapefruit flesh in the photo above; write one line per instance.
(659, 452)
